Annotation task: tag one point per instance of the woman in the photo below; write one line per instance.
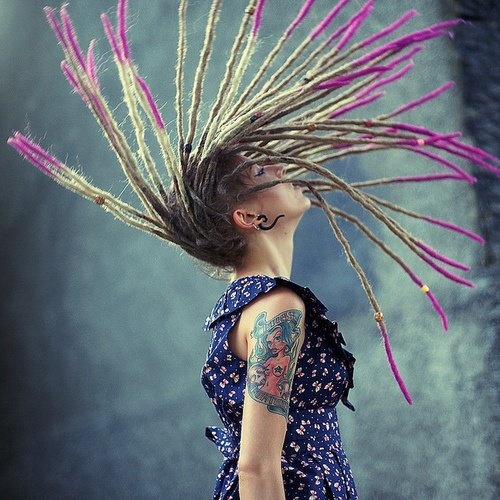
(276, 367)
(281, 435)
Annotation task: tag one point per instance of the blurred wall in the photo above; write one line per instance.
(101, 341)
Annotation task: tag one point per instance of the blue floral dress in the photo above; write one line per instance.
(314, 465)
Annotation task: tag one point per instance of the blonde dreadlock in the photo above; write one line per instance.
(295, 114)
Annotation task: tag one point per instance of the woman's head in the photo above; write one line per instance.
(225, 206)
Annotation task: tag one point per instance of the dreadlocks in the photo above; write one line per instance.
(297, 113)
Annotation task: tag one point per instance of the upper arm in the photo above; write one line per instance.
(274, 326)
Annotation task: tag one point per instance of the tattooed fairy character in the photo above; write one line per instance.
(271, 363)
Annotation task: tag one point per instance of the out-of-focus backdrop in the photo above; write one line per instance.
(101, 340)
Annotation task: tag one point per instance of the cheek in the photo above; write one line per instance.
(276, 194)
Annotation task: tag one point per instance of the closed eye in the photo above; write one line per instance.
(260, 172)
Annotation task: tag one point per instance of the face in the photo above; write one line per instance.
(285, 198)
(275, 342)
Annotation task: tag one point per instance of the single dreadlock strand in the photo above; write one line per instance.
(383, 181)
(369, 293)
(179, 73)
(122, 210)
(69, 34)
(324, 139)
(371, 296)
(350, 256)
(148, 105)
(406, 107)
(439, 256)
(193, 114)
(215, 112)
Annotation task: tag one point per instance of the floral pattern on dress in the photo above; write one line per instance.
(314, 465)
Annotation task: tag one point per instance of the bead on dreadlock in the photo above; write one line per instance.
(379, 317)
(255, 117)
(425, 289)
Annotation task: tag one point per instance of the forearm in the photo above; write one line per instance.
(264, 484)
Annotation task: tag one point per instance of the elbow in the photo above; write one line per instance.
(249, 469)
(260, 479)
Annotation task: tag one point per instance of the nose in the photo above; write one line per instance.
(280, 171)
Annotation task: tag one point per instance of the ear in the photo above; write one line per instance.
(243, 219)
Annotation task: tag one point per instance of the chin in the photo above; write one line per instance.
(307, 203)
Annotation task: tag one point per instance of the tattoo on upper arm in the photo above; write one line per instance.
(271, 364)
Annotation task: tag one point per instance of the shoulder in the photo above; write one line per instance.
(279, 300)
(279, 297)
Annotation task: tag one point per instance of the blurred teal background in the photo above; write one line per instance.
(101, 340)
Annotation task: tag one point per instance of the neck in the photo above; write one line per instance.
(270, 254)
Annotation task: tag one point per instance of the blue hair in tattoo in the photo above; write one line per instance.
(286, 322)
